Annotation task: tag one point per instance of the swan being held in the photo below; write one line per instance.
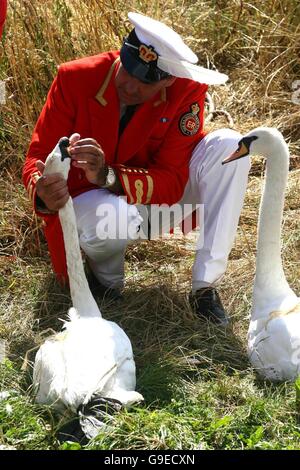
(274, 331)
(91, 360)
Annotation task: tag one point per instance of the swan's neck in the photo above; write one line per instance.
(270, 281)
(82, 298)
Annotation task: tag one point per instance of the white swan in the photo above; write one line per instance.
(274, 331)
(91, 358)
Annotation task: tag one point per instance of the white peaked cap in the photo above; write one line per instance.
(174, 56)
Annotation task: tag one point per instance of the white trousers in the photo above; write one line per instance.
(102, 215)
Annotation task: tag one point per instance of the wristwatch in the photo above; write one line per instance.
(110, 177)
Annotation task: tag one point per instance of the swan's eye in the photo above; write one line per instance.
(239, 145)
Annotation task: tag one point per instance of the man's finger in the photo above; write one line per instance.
(57, 185)
(88, 149)
(84, 165)
(51, 179)
(59, 194)
(40, 166)
(74, 138)
(59, 204)
(88, 141)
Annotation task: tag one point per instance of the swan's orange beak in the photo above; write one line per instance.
(242, 151)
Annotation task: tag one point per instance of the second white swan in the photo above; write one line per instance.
(274, 331)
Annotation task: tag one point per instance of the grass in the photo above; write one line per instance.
(200, 391)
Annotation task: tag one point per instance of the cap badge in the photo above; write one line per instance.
(147, 54)
(195, 108)
(189, 123)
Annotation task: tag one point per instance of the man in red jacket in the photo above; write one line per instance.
(135, 122)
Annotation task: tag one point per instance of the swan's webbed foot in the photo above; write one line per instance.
(93, 417)
(96, 415)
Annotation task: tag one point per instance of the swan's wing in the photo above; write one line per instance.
(272, 351)
(49, 373)
(91, 355)
(95, 352)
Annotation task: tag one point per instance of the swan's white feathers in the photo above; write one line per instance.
(272, 349)
(265, 305)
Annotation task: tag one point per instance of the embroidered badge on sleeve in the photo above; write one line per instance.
(189, 123)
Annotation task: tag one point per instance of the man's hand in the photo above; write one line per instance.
(52, 189)
(88, 155)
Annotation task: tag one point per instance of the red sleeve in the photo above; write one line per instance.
(56, 119)
(3, 9)
(164, 180)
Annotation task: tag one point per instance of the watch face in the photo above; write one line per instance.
(111, 177)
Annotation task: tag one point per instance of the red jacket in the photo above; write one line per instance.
(153, 153)
(3, 8)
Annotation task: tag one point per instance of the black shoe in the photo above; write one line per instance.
(101, 291)
(207, 304)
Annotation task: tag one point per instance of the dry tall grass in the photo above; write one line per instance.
(258, 45)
